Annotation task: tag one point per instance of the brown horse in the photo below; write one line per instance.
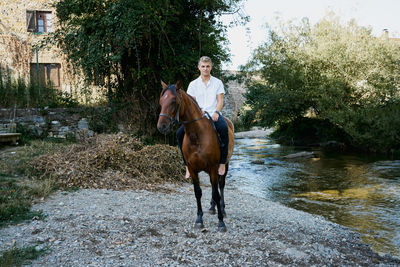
(200, 145)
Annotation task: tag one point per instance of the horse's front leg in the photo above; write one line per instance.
(197, 193)
(211, 210)
(216, 197)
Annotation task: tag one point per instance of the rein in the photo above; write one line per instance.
(176, 119)
(187, 122)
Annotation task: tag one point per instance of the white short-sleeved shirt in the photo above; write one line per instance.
(206, 94)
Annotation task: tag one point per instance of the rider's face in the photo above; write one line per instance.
(205, 68)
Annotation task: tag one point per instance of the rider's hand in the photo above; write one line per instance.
(215, 116)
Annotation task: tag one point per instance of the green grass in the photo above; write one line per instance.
(19, 187)
(15, 202)
(20, 256)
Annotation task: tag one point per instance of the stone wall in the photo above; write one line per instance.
(74, 121)
(63, 122)
(234, 97)
(59, 123)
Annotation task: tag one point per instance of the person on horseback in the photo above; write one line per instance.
(209, 92)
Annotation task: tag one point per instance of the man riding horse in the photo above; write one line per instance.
(197, 138)
(209, 92)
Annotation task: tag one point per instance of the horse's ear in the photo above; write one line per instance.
(164, 85)
(178, 85)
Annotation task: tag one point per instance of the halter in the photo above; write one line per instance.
(176, 119)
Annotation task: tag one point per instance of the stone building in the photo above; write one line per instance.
(23, 25)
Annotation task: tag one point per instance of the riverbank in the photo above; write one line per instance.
(98, 227)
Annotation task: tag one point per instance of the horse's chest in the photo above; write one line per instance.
(193, 139)
(193, 142)
(199, 151)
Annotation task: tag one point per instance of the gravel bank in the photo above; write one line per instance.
(255, 132)
(94, 227)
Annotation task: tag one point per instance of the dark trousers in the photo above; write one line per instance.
(222, 129)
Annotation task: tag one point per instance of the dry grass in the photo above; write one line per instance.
(112, 162)
(116, 162)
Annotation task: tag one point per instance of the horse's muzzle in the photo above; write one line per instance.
(163, 128)
(165, 123)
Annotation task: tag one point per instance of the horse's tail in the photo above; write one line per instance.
(231, 131)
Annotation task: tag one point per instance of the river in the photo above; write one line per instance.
(355, 190)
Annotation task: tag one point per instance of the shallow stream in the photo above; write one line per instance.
(358, 191)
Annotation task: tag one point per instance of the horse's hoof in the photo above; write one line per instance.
(211, 211)
(198, 225)
(221, 227)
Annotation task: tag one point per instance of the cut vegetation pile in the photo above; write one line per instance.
(116, 161)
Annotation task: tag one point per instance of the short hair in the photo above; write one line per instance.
(205, 59)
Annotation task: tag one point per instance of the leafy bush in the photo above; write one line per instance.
(337, 73)
(309, 131)
(102, 120)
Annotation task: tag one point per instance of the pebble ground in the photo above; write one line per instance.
(93, 227)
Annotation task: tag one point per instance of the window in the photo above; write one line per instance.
(49, 74)
(39, 21)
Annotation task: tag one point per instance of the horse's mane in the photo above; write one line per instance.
(194, 101)
(172, 88)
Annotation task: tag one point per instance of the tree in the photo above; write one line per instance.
(135, 43)
(337, 73)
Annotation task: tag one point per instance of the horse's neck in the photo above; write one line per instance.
(191, 111)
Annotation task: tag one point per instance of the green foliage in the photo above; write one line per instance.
(135, 44)
(308, 131)
(20, 256)
(20, 94)
(27, 134)
(241, 126)
(102, 120)
(334, 72)
(15, 202)
(17, 187)
(149, 141)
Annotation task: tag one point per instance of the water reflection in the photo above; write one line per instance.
(357, 191)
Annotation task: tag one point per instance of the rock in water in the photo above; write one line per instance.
(303, 154)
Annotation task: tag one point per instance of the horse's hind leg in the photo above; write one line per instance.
(198, 193)
(221, 182)
(221, 189)
(216, 197)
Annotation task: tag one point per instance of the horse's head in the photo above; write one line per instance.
(170, 105)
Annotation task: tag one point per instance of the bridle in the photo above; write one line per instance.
(175, 120)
